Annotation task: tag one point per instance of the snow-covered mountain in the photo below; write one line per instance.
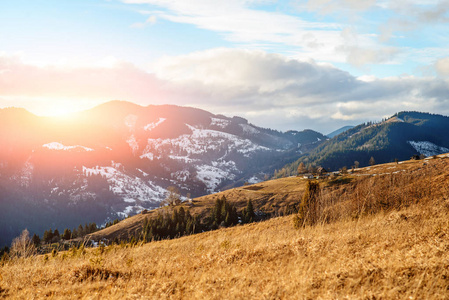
(119, 158)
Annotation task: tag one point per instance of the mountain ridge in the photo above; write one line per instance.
(403, 135)
(119, 158)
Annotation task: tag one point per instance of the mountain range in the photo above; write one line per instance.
(399, 137)
(119, 158)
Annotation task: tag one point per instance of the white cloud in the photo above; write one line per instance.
(333, 6)
(242, 23)
(442, 66)
(300, 93)
(149, 21)
(271, 90)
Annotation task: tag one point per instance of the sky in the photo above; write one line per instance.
(295, 64)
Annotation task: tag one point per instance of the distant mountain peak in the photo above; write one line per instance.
(338, 131)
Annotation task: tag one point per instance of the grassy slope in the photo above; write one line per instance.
(271, 196)
(268, 196)
(398, 253)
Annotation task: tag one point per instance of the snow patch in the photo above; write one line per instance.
(153, 125)
(248, 129)
(133, 143)
(222, 123)
(202, 141)
(143, 173)
(253, 180)
(181, 175)
(59, 146)
(184, 159)
(128, 187)
(148, 155)
(212, 176)
(427, 148)
(130, 121)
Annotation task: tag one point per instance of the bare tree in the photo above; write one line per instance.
(22, 246)
(302, 168)
(173, 197)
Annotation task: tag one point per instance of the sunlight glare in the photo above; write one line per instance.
(61, 110)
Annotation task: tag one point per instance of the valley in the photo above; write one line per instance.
(389, 242)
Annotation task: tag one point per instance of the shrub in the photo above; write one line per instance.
(309, 207)
(22, 246)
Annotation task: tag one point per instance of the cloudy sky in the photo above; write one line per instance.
(292, 64)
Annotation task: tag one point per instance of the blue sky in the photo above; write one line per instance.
(293, 64)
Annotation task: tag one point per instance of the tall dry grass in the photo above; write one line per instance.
(394, 252)
(394, 255)
(355, 197)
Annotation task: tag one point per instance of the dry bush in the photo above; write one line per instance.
(89, 272)
(22, 246)
(310, 207)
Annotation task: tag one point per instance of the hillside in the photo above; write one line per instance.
(403, 135)
(395, 247)
(281, 196)
(119, 158)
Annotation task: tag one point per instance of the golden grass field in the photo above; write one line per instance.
(363, 249)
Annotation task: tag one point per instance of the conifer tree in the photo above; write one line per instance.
(36, 240)
(67, 235)
(249, 215)
(80, 230)
(48, 235)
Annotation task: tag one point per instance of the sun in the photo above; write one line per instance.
(56, 109)
(59, 111)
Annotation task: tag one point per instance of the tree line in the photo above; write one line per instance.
(179, 222)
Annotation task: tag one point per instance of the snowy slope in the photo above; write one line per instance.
(427, 148)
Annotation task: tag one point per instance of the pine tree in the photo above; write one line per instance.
(56, 236)
(80, 230)
(249, 216)
(92, 227)
(36, 240)
(67, 235)
(48, 236)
